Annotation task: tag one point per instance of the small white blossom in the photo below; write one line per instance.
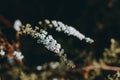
(54, 23)
(58, 29)
(58, 46)
(50, 37)
(42, 36)
(39, 68)
(46, 41)
(89, 40)
(17, 25)
(47, 21)
(57, 50)
(70, 31)
(2, 53)
(50, 43)
(18, 55)
(44, 32)
(54, 65)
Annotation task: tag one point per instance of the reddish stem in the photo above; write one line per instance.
(5, 21)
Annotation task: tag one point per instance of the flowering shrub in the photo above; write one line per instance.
(12, 59)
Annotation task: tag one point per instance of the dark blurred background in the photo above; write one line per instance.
(98, 19)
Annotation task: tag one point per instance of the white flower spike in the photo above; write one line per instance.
(70, 31)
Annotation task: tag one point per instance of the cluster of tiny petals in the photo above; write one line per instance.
(70, 31)
(54, 65)
(42, 37)
(2, 53)
(49, 42)
(17, 25)
(18, 55)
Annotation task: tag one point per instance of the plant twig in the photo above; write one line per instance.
(6, 22)
(89, 68)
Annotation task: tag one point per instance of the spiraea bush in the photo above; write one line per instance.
(52, 61)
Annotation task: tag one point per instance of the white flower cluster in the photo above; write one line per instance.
(49, 42)
(2, 53)
(17, 25)
(18, 55)
(70, 31)
(42, 37)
